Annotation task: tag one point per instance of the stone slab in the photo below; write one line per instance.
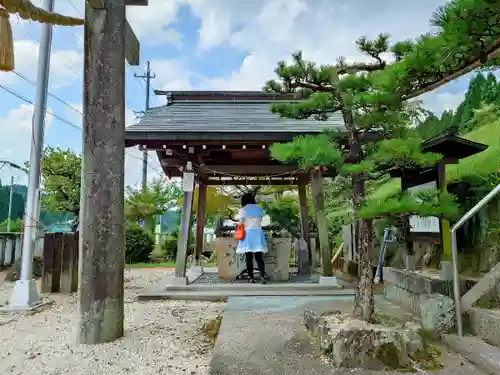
(483, 355)
(218, 295)
(267, 336)
(277, 259)
(485, 325)
(328, 280)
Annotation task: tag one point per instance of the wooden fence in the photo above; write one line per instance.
(60, 263)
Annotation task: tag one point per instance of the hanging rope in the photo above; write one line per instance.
(27, 11)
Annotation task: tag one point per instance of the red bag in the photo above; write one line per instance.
(239, 233)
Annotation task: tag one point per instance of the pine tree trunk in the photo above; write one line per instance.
(363, 301)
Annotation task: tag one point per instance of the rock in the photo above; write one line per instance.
(351, 343)
(438, 313)
(211, 327)
(14, 272)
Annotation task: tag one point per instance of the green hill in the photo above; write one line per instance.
(484, 163)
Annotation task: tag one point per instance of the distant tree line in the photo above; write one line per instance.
(482, 99)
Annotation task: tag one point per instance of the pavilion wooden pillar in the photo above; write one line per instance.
(200, 221)
(319, 207)
(187, 206)
(304, 217)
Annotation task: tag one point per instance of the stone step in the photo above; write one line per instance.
(483, 355)
(485, 325)
(217, 295)
(254, 287)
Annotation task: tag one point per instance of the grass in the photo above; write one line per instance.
(481, 164)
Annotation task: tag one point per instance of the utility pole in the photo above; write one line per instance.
(25, 293)
(147, 77)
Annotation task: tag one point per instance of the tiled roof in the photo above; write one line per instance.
(225, 112)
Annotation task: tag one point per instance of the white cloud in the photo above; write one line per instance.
(268, 31)
(438, 103)
(16, 139)
(150, 23)
(64, 70)
(171, 75)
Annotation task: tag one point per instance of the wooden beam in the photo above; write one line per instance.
(304, 218)
(200, 221)
(247, 170)
(132, 49)
(321, 224)
(234, 182)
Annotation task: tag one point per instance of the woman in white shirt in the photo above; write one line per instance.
(254, 245)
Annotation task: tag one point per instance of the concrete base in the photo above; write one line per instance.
(25, 294)
(446, 272)
(328, 280)
(217, 292)
(410, 263)
(31, 309)
(193, 273)
(176, 281)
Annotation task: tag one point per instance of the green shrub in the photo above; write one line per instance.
(138, 245)
(170, 248)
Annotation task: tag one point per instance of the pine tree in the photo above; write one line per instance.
(345, 87)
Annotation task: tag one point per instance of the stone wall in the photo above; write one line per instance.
(277, 259)
(410, 289)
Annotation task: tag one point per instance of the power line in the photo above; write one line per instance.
(19, 96)
(49, 93)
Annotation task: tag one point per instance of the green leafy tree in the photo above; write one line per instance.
(144, 204)
(283, 212)
(372, 98)
(61, 181)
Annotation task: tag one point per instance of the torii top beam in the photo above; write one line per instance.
(131, 41)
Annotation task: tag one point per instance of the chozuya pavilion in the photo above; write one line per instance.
(223, 137)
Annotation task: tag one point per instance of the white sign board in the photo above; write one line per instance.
(188, 181)
(427, 224)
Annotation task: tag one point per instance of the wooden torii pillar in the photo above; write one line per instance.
(109, 40)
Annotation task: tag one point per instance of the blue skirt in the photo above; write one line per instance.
(254, 242)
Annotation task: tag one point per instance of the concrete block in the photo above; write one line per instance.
(194, 273)
(446, 272)
(485, 325)
(483, 355)
(328, 280)
(438, 313)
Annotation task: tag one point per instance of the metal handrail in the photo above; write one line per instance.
(454, 254)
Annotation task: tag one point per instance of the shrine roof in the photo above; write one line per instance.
(222, 115)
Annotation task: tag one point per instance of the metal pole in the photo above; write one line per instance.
(25, 292)
(10, 202)
(454, 254)
(148, 77)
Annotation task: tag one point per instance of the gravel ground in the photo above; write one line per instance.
(161, 337)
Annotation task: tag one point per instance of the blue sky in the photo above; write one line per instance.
(197, 44)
